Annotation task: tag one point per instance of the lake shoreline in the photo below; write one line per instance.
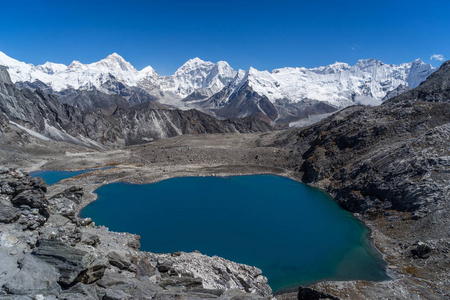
(303, 205)
(140, 175)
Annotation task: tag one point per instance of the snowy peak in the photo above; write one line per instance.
(147, 72)
(114, 62)
(418, 72)
(264, 84)
(197, 74)
(51, 68)
(220, 75)
(194, 66)
(16, 69)
(338, 84)
(76, 65)
(335, 68)
(5, 60)
(223, 70)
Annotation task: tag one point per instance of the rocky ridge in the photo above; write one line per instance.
(47, 251)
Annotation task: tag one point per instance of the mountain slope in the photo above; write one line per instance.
(107, 122)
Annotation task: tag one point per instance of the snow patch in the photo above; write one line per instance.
(31, 132)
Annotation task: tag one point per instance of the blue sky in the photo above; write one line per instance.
(265, 34)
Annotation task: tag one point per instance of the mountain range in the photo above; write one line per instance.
(281, 97)
(42, 115)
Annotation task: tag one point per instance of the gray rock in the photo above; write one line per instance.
(73, 264)
(74, 193)
(4, 75)
(120, 261)
(81, 291)
(214, 272)
(8, 267)
(131, 286)
(34, 277)
(146, 267)
(8, 214)
(34, 199)
(236, 294)
(90, 239)
(116, 295)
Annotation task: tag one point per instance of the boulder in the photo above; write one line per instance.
(120, 261)
(34, 277)
(8, 214)
(73, 264)
(34, 199)
(74, 193)
(421, 250)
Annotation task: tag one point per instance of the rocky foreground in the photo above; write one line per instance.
(46, 251)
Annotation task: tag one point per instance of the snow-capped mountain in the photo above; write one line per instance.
(198, 74)
(338, 84)
(194, 74)
(213, 86)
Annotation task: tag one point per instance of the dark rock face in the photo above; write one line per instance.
(245, 102)
(379, 152)
(305, 293)
(291, 112)
(398, 91)
(120, 261)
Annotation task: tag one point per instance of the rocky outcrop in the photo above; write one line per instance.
(74, 265)
(46, 250)
(216, 272)
(22, 200)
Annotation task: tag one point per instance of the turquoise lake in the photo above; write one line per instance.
(295, 233)
(52, 177)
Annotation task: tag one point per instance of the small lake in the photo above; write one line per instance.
(295, 233)
(52, 177)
